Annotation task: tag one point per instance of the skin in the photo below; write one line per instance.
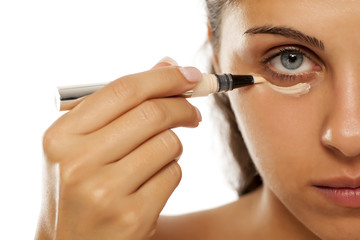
(112, 160)
(317, 134)
(112, 192)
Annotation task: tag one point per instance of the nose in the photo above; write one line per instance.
(341, 132)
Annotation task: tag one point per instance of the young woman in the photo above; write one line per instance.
(111, 160)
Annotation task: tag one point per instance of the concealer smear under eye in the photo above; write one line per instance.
(297, 90)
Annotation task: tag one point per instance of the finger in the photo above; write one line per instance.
(141, 164)
(118, 97)
(157, 190)
(140, 124)
(165, 62)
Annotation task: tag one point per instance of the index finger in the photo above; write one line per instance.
(69, 105)
(123, 94)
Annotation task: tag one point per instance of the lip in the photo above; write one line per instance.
(343, 191)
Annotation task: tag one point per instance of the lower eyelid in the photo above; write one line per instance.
(289, 79)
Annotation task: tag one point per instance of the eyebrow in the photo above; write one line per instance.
(289, 33)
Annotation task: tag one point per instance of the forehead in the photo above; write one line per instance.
(327, 20)
(299, 12)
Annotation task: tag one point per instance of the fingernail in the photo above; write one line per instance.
(168, 60)
(191, 74)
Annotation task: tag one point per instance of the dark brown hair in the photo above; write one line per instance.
(249, 178)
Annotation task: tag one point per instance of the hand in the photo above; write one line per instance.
(111, 160)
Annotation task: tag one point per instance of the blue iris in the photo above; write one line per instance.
(292, 61)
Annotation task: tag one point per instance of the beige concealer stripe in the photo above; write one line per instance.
(296, 90)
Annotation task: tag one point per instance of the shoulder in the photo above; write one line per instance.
(230, 221)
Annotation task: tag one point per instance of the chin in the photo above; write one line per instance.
(342, 228)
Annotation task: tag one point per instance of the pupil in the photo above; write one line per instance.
(292, 61)
(292, 58)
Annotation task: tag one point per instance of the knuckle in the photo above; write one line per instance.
(124, 88)
(52, 144)
(171, 73)
(131, 218)
(99, 198)
(68, 174)
(95, 197)
(153, 111)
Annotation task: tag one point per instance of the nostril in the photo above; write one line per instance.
(328, 141)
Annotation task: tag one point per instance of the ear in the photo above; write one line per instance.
(215, 56)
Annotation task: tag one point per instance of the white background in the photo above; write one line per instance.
(44, 44)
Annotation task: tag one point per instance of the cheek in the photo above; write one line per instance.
(282, 133)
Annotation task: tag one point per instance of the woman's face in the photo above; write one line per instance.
(306, 147)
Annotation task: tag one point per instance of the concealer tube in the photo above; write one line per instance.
(210, 83)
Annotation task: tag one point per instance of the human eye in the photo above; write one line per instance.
(290, 65)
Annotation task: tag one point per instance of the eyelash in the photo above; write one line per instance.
(282, 76)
